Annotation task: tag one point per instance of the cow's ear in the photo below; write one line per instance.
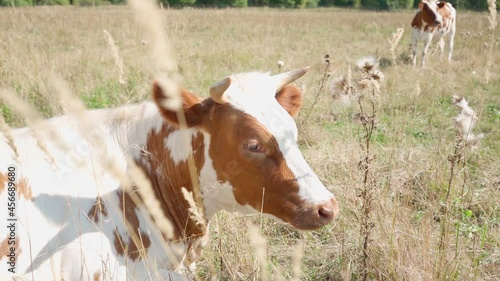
(290, 98)
(421, 6)
(193, 107)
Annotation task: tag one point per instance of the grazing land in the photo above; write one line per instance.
(414, 176)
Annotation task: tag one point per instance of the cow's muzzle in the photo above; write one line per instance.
(317, 215)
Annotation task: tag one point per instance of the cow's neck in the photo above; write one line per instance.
(162, 151)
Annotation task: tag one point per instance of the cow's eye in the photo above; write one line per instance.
(255, 146)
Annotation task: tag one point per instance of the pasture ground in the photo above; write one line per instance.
(412, 143)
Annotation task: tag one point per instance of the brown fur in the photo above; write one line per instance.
(167, 186)
(97, 208)
(139, 241)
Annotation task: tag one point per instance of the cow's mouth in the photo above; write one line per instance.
(316, 216)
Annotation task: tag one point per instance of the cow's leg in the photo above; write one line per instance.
(450, 44)
(427, 43)
(441, 48)
(414, 46)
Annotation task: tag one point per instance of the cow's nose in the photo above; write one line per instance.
(328, 210)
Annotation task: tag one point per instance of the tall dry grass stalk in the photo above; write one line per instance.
(122, 79)
(492, 19)
(5, 130)
(196, 213)
(298, 255)
(150, 21)
(394, 43)
(259, 244)
(326, 74)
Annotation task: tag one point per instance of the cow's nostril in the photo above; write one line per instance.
(325, 213)
(328, 211)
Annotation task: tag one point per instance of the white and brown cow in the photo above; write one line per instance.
(74, 222)
(433, 20)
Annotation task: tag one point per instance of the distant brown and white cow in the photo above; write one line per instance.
(73, 221)
(433, 19)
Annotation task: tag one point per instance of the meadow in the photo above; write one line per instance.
(432, 216)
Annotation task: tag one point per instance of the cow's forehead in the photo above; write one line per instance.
(432, 5)
(254, 94)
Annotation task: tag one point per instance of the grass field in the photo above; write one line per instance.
(412, 143)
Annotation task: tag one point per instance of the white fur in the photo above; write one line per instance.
(179, 144)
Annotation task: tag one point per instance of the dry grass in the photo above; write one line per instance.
(413, 138)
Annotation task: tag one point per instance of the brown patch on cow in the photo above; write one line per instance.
(425, 17)
(9, 244)
(256, 171)
(134, 248)
(167, 185)
(97, 276)
(3, 181)
(118, 243)
(98, 208)
(138, 242)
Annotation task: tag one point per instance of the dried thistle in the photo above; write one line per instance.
(342, 86)
(376, 75)
(326, 60)
(367, 64)
(465, 122)
(281, 64)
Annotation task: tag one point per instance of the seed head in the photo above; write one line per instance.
(367, 64)
(326, 60)
(281, 64)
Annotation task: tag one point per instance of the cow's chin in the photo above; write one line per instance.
(308, 221)
(303, 219)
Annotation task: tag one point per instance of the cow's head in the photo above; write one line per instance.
(253, 146)
(429, 10)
